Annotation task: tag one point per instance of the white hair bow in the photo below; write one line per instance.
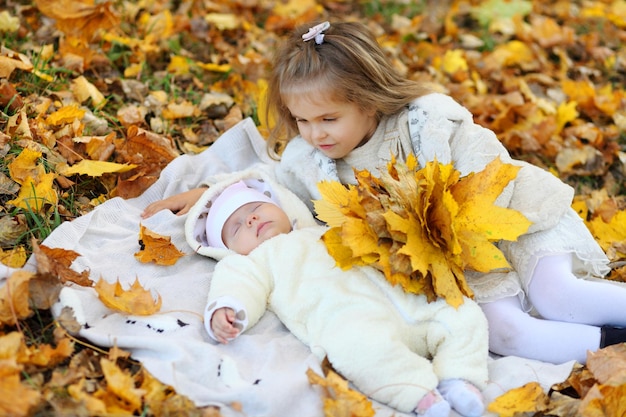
(317, 33)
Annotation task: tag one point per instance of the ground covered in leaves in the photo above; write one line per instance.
(96, 98)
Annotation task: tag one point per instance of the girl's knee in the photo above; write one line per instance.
(509, 326)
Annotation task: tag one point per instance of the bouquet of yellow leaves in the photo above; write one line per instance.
(422, 227)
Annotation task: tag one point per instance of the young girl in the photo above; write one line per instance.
(340, 105)
(395, 347)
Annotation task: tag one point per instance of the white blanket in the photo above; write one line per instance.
(264, 369)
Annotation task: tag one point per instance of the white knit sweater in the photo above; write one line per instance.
(437, 127)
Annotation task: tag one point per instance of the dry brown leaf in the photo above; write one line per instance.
(150, 152)
(10, 61)
(608, 365)
(11, 229)
(44, 290)
(579, 380)
(135, 300)
(57, 261)
(562, 405)
(67, 320)
(156, 248)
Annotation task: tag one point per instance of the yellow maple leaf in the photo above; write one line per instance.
(566, 112)
(83, 90)
(95, 168)
(453, 61)
(157, 248)
(66, 115)
(337, 202)
(25, 165)
(78, 391)
(611, 234)
(121, 384)
(529, 398)
(14, 257)
(36, 193)
(135, 300)
(482, 221)
(422, 227)
(339, 399)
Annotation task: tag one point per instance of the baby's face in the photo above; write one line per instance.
(252, 224)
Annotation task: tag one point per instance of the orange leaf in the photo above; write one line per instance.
(45, 355)
(17, 399)
(14, 298)
(604, 401)
(135, 300)
(157, 248)
(57, 261)
(81, 18)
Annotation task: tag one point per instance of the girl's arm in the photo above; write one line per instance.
(178, 203)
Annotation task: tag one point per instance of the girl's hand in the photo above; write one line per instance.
(179, 203)
(222, 325)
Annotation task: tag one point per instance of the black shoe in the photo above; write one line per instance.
(611, 335)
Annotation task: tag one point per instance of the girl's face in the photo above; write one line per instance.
(335, 128)
(252, 224)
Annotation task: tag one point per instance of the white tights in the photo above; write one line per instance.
(573, 309)
(557, 294)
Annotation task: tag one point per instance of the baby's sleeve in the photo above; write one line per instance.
(241, 317)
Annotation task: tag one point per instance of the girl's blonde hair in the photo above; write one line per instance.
(349, 64)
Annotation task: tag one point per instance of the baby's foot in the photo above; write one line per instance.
(463, 397)
(433, 405)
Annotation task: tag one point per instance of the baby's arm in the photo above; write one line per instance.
(178, 203)
(223, 325)
(225, 318)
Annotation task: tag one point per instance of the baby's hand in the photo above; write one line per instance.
(222, 325)
(179, 203)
